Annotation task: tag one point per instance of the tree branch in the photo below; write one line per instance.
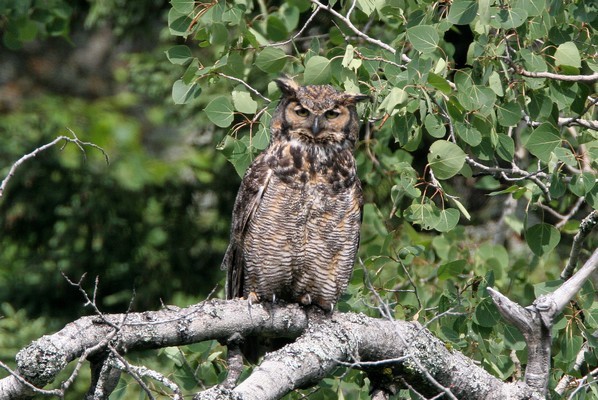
(559, 77)
(535, 322)
(585, 227)
(35, 152)
(327, 341)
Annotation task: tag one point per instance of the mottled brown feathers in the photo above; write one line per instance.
(296, 220)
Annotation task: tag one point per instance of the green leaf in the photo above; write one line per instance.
(425, 215)
(446, 159)
(243, 102)
(476, 97)
(218, 34)
(178, 23)
(237, 153)
(439, 83)
(508, 114)
(542, 141)
(276, 28)
(567, 54)
(317, 71)
(582, 184)
(542, 238)
(468, 133)
(220, 111)
(451, 269)
(424, 38)
(566, 155)
(396, 97)
(486, 314)
(447, 220)
(182, 93)
(183, 6)
(179, 55)
(511, 18)
(434, 126)
(505, 148)
(533, 7)
(271, 59)
(462, 12)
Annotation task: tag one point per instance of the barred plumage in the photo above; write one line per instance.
(296, 219)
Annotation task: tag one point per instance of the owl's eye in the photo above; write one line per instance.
(302, 112)
(331, 114)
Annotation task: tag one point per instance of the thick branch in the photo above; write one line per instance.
(537, 336)
(42, 360)
(535, 322)
(327, 342)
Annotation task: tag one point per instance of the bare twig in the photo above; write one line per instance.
(35, 152)
(347, 21)
(585, 227)
(242, 82)
(559, 77)
(140, 372)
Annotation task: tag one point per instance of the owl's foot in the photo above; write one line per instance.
(252, 298)
(305, 299)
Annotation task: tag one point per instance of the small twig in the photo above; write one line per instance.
(23, 381)
(559, 77)
(387, 313)
(138, 373)
(585, 227)
(359, 33)
(242, 82)
(300, 32)
(35, 152)
(90, 301)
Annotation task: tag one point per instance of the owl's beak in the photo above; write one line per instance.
(315, 128)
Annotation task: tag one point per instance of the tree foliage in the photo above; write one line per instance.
(478, 157)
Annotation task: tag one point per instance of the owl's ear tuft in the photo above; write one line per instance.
(287, 85)
(356, 98)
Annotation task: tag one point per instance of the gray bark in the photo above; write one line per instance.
(412, 352)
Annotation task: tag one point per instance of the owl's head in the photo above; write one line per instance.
(315, 114)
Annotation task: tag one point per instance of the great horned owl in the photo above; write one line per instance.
(296, 219)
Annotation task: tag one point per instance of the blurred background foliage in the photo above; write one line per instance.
(153, 223)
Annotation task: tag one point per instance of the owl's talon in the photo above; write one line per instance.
(305, 299)
(252, 298)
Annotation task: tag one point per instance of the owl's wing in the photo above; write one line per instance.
(254, 184)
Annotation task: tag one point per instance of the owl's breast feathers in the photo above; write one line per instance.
(296, 223)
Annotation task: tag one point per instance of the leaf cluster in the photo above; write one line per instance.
(478, 154)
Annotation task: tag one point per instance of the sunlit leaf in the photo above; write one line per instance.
(446, 159)
(567, 54)
(542, 141)
(243, 102)
(447, 220)
(462, 12)
(179, 55)
(271, 59)
(424, 38)
(220, 111)
(317, 71)
(182, 93)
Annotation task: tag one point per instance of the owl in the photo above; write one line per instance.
(296, 218)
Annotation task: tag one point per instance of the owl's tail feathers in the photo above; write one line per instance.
(233, 264)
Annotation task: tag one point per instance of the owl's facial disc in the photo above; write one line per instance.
(312, 123)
